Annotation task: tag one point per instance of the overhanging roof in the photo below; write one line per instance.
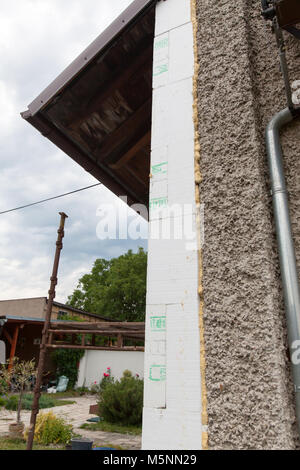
(98, 110)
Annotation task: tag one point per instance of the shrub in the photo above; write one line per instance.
(94, 389)
(45, 401)
(51, 430)
(82, 390)
(4, 380)
(122, 401)
(12, 403)
(107, 379)
(2, 401)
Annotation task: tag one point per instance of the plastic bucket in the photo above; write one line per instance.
(81, 444)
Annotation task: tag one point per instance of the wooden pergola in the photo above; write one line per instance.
(13, 327)
(73, 335)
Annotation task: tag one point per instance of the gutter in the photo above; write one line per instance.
(286, 250)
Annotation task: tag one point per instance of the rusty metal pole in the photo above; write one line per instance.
(43, 349)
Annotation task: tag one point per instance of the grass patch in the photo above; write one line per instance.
(56, 401)
(111, 427)
(46, 401)
(7, 443)
(111, 446)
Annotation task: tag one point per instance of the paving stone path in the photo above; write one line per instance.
(77, 414)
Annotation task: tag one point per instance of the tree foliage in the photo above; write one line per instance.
(19, 377)
(115, 288)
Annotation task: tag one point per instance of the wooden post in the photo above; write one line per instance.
(43, 347)
(50, 338)
(13, 347)
(7, 336)
(120, 341)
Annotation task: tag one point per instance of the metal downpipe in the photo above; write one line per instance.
(285, 243)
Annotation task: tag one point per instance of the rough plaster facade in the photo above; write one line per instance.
(33, 307)
(249, 390)
(36, 307)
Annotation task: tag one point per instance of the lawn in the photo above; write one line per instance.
(20, 444)
(7, 443)
(46, 401)
(110, 427)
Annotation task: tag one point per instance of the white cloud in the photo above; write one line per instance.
(8, 107)
(38, 40)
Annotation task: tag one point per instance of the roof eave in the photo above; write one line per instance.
(103, 40)
(53, 134)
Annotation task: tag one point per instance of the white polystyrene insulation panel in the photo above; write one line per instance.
(171, 14)
(172, 393)
(171, 429)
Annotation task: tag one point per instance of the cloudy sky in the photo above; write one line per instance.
(38, 39)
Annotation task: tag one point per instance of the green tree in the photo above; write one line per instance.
(115, 288)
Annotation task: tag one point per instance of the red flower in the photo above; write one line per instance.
(106, 375)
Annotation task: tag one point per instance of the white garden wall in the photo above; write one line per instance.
(94, 364)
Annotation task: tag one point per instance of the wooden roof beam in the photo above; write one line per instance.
(121, 76)
(141, 143)
(97, 332)
(128, 127)
(96, 325)
(95, 348)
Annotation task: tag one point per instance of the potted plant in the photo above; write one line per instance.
(18, 378)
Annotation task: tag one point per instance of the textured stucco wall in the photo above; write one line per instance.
(33, 307)
(250, 397)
